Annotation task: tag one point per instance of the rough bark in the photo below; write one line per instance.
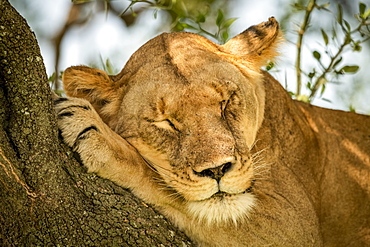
(46, 196)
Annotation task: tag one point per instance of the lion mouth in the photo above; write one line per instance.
(223, 207)
(250, 188)
(222, 194)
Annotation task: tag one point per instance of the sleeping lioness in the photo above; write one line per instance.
(216, 144)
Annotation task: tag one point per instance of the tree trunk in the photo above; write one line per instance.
(46, 196)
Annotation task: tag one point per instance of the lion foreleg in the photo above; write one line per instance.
(101, 150)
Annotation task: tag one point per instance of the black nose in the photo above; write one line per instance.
(216, 172)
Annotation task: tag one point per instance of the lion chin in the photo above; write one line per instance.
(222, 208)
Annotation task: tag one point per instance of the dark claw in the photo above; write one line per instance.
(59, 100)
(65, 114)
(80, 136)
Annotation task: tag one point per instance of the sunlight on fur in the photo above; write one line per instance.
(218, 210)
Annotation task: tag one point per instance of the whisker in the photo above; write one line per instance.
(155, 166)
(158, 169)
(261, 171)
(254, 144)
(174, 195)
(261, 165)
(148, 163)
(258, 153)
(260, 176)
(258, 161)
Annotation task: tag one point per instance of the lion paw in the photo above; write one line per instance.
(77, 120)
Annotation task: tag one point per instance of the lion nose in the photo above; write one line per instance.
(216, 172)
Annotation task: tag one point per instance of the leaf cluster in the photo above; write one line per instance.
(196, 25)
(342, 37)
(192, 15)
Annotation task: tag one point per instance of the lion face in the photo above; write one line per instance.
(192, 111)
(195, 123)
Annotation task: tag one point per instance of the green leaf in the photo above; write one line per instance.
(133, 13)
(303, 98)
(366, 14)
(352, 109)
(337, 62)
(362, 8)
(316, 55)
(220, 18)
(327, 100)
(334, 34)
(109, 67)
(298, 7)
(323, 87)
(179, 26)
(340, 14)
(225, 36)
(201, 18)
(311, 74)
(155, 13)
(349, 69)
(185, 25)
(269, 66)
(347, 25)
(325, 37)
(357, 47)
(52, 77)
(229, 22)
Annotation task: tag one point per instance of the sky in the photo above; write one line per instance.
(106, 37)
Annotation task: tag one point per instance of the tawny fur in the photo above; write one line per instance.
(294, 174)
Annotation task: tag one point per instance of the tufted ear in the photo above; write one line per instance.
(91, 84)
(258, 44)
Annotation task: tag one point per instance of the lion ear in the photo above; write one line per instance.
(258, 44)
(91, 84)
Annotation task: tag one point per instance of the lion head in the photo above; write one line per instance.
(192, 109)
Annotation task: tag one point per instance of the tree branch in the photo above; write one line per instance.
(46, 197)
(301, 32)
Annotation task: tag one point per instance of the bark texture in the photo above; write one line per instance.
(46, 196)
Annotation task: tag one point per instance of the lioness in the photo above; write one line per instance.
(218, 146)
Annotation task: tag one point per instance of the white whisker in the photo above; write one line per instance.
(254, 144)
(258, 153)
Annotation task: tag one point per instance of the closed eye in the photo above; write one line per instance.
(223, 106)
(166, 124)
(171, 124)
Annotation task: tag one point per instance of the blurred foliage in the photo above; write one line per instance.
(341, 36)
(185, 15)
(192, 16)
(210, 18)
